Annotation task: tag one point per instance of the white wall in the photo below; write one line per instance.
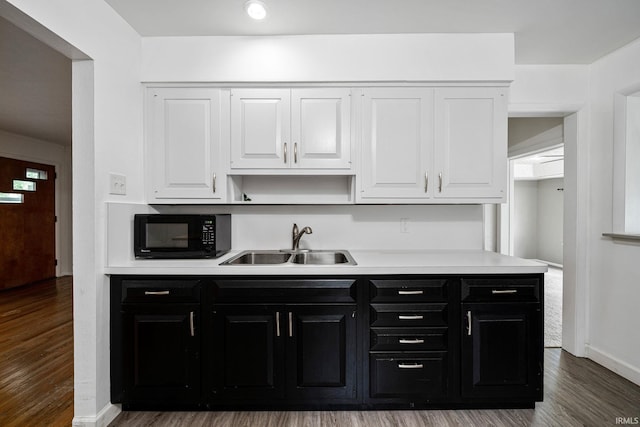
(326, 58)
(525, 203)
(615, 272)
(24, 148)
(107, 137)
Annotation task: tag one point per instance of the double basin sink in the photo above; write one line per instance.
(301, 257)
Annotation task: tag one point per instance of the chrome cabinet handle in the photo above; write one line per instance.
(410, 365)
(191, 324)
(410, 317)
(426, 181)
(469, 323)
(440, 182)
(295, 152)
(277, 323)
(411, 341)
(214, 182)
(504, 291)
(416, 292)
(290, 324)
(285, 152)
(157, 292)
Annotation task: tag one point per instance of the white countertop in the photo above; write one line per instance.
(369, 262)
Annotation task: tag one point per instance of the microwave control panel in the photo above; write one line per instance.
(208, 233)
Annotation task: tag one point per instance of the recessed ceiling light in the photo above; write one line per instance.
(256, 9)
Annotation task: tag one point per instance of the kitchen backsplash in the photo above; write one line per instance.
(334, 227)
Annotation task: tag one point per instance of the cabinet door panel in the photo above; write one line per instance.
(409, 374)
(397, 143)
(247, 352)
(321, 128)
(471, 142)
(260, 128)
(184, 143)
(161, 357)
(322, 352)
(502, 353)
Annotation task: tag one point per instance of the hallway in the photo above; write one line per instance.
(36, 354)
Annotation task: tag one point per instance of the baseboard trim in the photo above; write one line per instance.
(102, 419)
(614, 364)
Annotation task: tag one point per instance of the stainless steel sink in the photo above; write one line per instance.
(259, 257)
(303, 257)
(323, 258)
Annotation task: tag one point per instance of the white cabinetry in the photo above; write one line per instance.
(471, 143)
(183, 155)
(397, 151)
(290, 129)
(441, 145)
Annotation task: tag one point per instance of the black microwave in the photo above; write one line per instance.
(181, 236)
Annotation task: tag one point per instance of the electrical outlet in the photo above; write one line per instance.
(117, 184)
(404, 225)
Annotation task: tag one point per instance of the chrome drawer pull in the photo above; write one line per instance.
(418, 292)
(156, 292)
(469, 323)
(410, 365)
(411, 341)
(505, 291)
(192, 327)
(277, 323)
(410, 317)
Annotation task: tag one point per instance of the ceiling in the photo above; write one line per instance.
(546, 31)
(35, 80)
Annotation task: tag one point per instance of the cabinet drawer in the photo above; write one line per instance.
(160, 291)
(395, 375)
(508, 289)
(408, 339)
(408, 314)
(411, 290)
(284, 290)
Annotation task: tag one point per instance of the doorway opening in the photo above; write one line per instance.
(536, 207)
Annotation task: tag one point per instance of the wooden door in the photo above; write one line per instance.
(397, 143)
(27, 222)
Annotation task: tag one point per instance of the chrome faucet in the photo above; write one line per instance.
(296, 235)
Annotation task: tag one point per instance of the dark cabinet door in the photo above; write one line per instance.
(161, 355)
(247, 352)
(321, 352)
(502, 350)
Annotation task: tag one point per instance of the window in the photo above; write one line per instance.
(35, 174)
(11, 198)
(20, 185)
(626, 179)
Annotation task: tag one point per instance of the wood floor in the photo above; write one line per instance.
(578, 392)
(36, 354)
(36, 383)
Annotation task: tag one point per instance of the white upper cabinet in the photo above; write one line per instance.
(290, 129)
(471, 148)
(426, 145)
(397, 150)
(183, 145)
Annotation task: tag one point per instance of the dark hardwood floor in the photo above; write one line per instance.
(36, 383)
(36, 354)
(578, 392)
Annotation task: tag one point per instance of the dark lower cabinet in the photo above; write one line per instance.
(501, 352)
(155, 342)
(301, 353)
(161, 351)
(183, 342)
